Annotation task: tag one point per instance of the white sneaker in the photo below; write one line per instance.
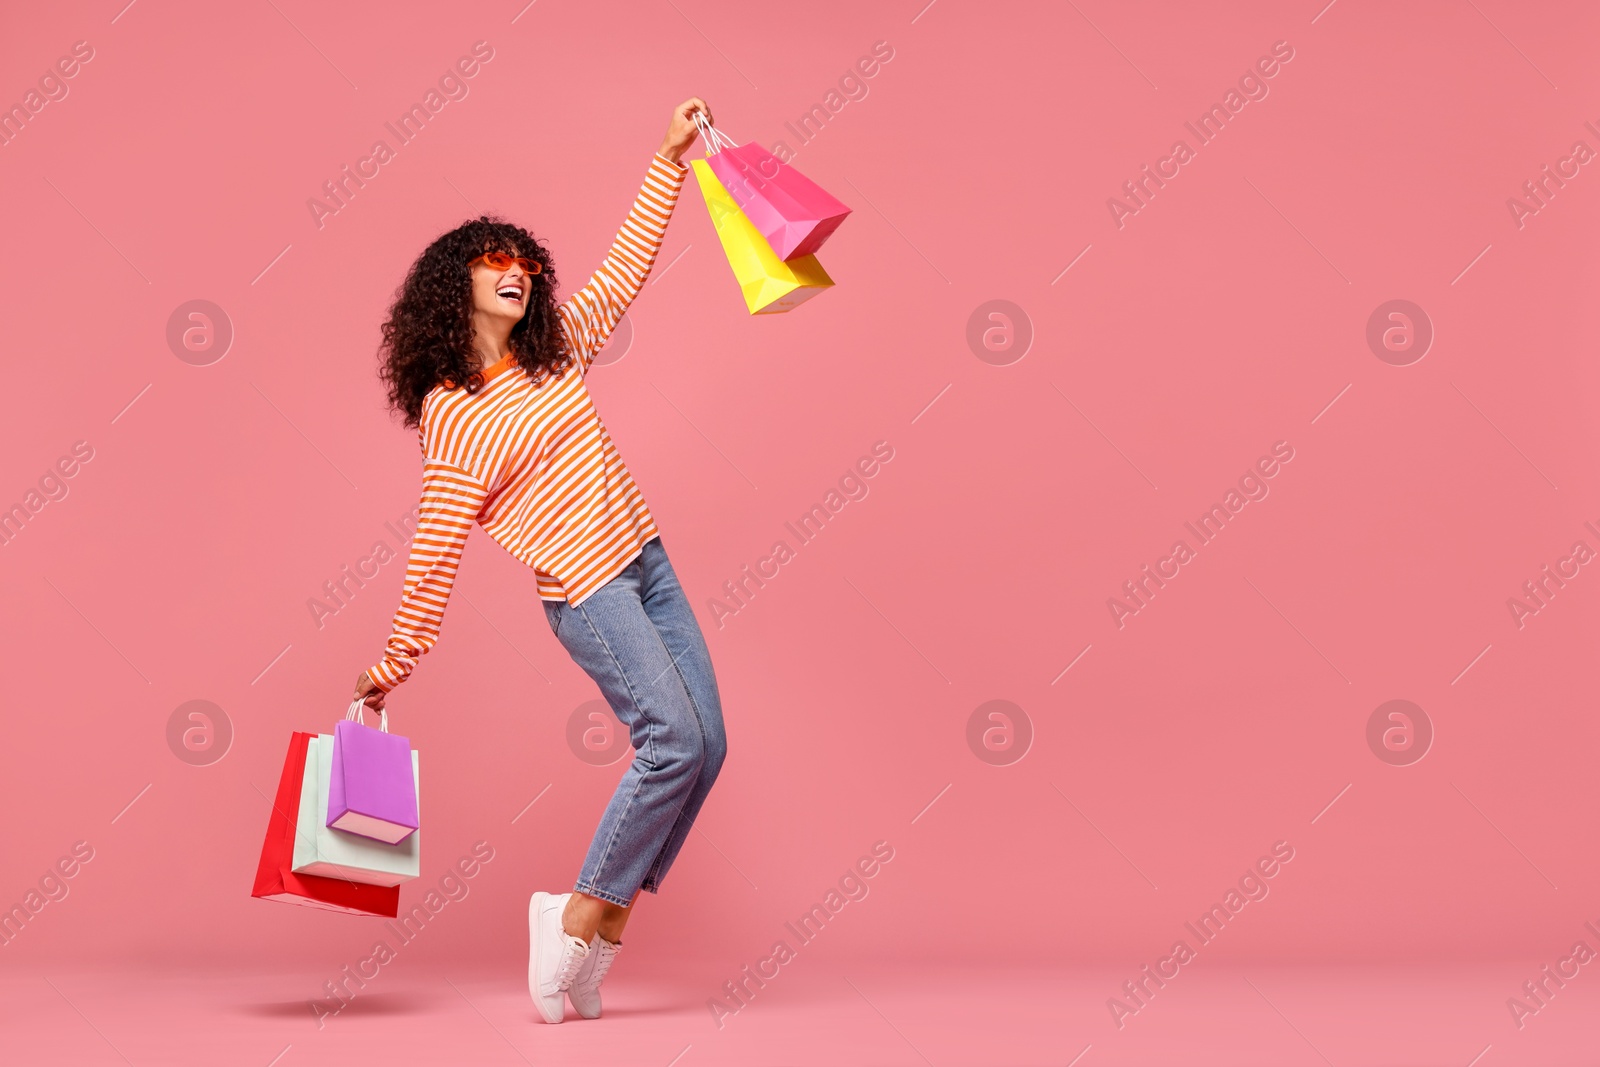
(554, 956)
(585, 989)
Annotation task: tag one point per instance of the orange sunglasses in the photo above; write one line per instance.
(501, 261)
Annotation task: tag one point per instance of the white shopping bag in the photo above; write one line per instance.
(322, 850)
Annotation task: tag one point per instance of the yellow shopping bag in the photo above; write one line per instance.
(769, 283)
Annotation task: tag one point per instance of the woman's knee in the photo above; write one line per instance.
(715, 748)
(680, 747)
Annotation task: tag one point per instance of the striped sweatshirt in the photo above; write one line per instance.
(533, 464)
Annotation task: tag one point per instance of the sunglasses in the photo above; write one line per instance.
(501, 261)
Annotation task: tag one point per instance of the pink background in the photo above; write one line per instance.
(1223, 317)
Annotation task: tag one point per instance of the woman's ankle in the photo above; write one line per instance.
(581, 917)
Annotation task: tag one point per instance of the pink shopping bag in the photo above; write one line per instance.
(372, 790)
(794, 213)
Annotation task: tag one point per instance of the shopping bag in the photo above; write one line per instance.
(794, 213)
(769, 284)
(320, 849)
(275, 879)
(373, 789)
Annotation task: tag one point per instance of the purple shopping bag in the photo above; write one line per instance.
(371, 791)
(794, 213)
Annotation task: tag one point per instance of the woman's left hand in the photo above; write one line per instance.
(682, 131)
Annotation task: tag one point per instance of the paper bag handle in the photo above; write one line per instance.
(715, 138)
(356, 710)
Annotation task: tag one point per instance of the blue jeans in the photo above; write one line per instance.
(638, 639)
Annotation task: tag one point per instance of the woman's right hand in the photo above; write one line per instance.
(368, 693)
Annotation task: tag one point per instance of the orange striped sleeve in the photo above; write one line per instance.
(589, 315)
(452, 500)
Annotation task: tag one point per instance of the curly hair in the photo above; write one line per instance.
(427, 338)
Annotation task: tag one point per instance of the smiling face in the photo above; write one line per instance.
(500, 294)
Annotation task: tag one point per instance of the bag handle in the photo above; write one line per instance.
(704, 127)
(715, 138)
(357, 709)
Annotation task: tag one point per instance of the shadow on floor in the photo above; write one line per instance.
(374, 1004)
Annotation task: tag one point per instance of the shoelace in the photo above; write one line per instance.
(568, 970)
(602, 963)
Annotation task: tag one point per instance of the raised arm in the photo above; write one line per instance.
(589, 315)
(451, 501)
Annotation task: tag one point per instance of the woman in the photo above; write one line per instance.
(519, 449)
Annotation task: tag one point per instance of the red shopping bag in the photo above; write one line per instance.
(275, 879)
